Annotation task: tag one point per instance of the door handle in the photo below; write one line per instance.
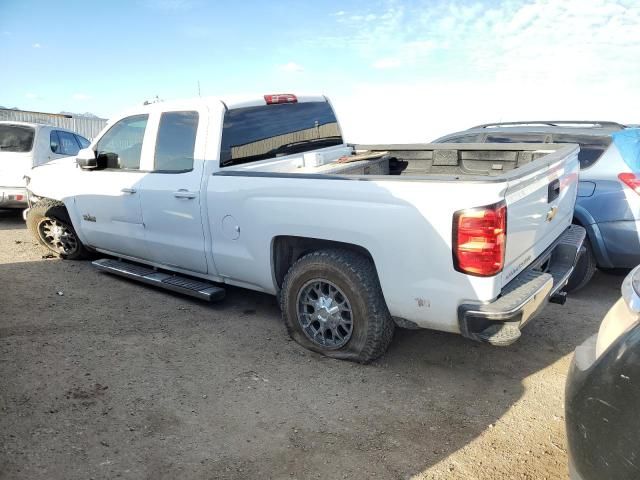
(128, 190)
(182, 193)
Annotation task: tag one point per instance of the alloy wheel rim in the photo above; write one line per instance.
(58, 236)
(325, 314)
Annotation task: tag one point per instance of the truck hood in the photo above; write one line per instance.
(59, 162)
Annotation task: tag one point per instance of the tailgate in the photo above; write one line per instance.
(540, 205)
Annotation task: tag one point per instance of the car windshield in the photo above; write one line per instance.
(16, 138)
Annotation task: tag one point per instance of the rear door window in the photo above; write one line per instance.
(255, 133)
(16, 138)
(176, 141)
(515, 138)
(591, 147)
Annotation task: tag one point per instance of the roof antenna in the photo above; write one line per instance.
(199, 88)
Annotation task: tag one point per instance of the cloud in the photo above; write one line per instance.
(81, 96)
(495, 61)
(36, 45)
(292, 67)
(6, 33)
(339, 13)
(32, 96)
(385, 63)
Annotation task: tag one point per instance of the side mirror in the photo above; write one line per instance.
(86, 159)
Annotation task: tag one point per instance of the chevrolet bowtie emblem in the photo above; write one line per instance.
(552, 213)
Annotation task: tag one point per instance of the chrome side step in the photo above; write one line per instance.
(169, 281)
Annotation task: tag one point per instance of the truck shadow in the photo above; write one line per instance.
(11, 219)
(219, 391)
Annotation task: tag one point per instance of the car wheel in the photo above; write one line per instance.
(585, 268)
(49, 222)
(332, 303)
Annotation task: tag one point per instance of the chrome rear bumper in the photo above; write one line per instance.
(499, 322)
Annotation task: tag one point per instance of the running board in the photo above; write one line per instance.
(169, 281)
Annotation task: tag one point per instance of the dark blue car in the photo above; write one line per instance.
(608, 203)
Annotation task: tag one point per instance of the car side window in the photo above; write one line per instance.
(515, 138)
(54, 141)
(84, 143)
(68, 143)
(462, 139)
(176, 142)
(591, 147)
(121, 146)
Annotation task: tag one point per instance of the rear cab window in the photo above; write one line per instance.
(16, 138)
(250, 134)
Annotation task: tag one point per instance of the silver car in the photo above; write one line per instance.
(608, 203)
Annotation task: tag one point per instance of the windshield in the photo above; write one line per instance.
(255, 133)
(16, 138)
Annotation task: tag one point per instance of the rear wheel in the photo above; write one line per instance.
(585, 268)
(332, 303)
(49, 222)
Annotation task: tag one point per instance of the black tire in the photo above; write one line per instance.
(355, 278)
(48, 211)
(584, 270)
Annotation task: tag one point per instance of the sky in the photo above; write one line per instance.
(396, 71)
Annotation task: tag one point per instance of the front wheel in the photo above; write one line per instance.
(49, 222)
(332, 303)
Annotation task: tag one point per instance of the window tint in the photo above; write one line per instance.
(176, 141)
(515, 138)
(121, 146)
(462, 139)
(54, 141)
(591, 148)
(255, 133)
(84, 143)
(68, 143)
(16, 138)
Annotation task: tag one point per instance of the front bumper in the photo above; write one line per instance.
(499, 322)
(13, 197)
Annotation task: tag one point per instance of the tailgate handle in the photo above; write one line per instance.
(554, 190)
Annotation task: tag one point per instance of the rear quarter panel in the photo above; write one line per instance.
(405, 225)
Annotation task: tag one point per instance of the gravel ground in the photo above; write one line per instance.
(103, 378)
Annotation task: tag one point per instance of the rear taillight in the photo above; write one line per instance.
(631, 180)
(280, 98)
(479, 240)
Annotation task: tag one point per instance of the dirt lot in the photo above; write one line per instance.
(109, 379)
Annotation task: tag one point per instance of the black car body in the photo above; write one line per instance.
(603, 395)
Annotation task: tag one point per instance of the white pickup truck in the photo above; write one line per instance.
(354, 239)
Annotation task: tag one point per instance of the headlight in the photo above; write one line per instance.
(624, 313)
